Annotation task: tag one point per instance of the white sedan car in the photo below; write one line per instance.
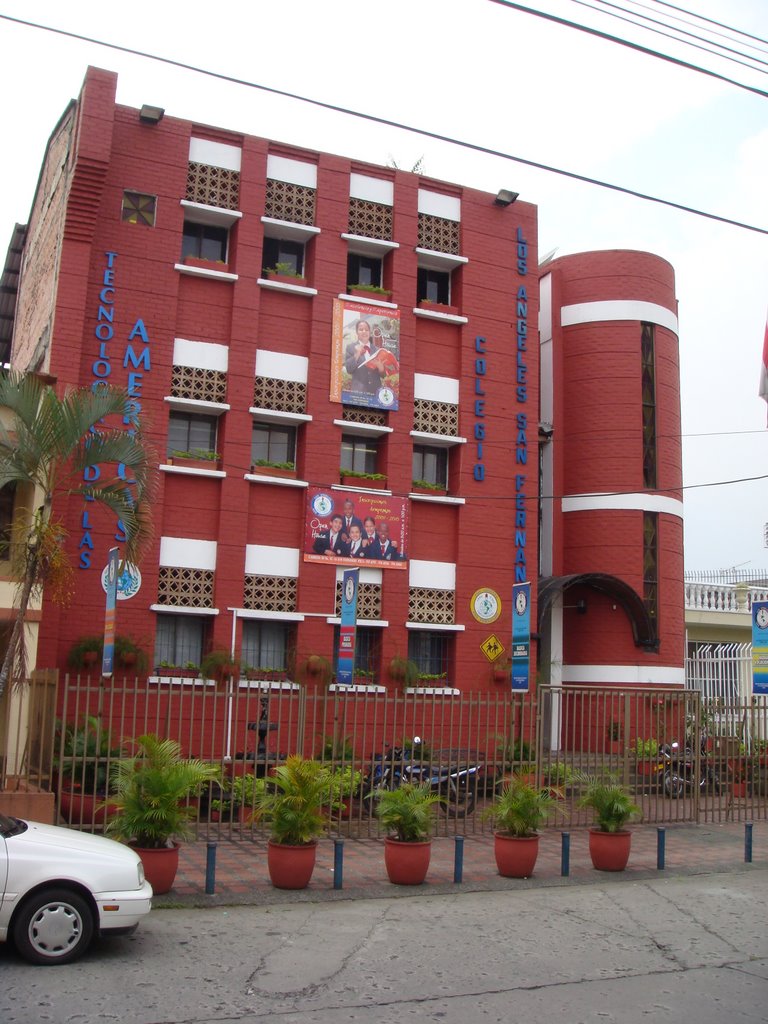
(59, 888)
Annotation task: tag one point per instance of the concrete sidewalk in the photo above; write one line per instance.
(241, 875)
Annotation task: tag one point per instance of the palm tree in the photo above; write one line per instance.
(44, 451)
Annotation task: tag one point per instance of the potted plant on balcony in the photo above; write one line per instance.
(315, 669)
(85, 654)
(370, 291)
(356, 478)
(438, 307)
(150, 790)
(517, 812)
(285, 469)
(293, 805)
(129, 655)
(403, 671)
(425, 487)
(285, 273)
(406, 813)
(219, 665)
(609, 840)
(194, 458)
(203, 264)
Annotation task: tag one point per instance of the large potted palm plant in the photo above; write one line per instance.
(293, 804)
(150, 793)
(406, 813)
(609, 840)
(518, 810)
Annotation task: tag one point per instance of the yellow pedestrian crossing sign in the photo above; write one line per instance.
(492, 648)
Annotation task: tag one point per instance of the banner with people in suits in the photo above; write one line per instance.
(356, 528)
(365, 355)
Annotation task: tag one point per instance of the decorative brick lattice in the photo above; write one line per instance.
(375, 417)
(374, 220)
(186, 588)
(426, 604)
(436, 417)
(438, 234)
(202, 385)
(368, 600)
(280, 395)
(213, 186)
(270, 593)
(286, 201)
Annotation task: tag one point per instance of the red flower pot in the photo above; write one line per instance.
(160, 866)
(609, 850)
(515, 855)
(290, 867)
(406, 863)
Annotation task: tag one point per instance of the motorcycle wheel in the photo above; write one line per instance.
(458, 800)
(674, 785)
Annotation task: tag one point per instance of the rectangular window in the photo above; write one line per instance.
(7, 497)
(179, 640)
(205, 241)
(273, 444)
(266, 645)
(139, 209)
(431, 653)
(359, 454)
(430, 465)
(648, 370)
(651, 563)
(434, 286)
(191, 433)
(283, 256)
(367, 654)
(364, 270)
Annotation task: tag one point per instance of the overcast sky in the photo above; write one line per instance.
(499, 78)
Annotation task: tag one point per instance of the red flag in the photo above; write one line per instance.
(764, 372)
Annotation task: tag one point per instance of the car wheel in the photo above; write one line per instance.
(54, 926)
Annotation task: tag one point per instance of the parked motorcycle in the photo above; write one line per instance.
(681, 774)
(452, 777)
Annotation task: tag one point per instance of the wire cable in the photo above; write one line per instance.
(710, 21)
(389, 123)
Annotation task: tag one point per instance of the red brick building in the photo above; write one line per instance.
(211, 274)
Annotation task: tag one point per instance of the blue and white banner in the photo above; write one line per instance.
(521, 636)
(760, 647)
(345, 656)
(108, 658)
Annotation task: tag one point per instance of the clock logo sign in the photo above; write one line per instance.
(761, 617)
(485, 605)
(385, 396)
(521, 603)
(350, 591)
(322, 505)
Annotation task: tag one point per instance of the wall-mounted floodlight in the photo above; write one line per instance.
(505, 197)
(151, 115)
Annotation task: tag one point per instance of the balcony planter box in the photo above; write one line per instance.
(366, 293)
(272, 275)
(437, 491)
(196, 261)
(363, 481)
(193, 463)
(438, 307)
(273, 471)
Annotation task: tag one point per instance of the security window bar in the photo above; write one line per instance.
(431, 654)
(272, 444)
(367, 654)
(139, 209)
(266, 645)
(651, 563)
(648, 358)
(205, 242)
(430, 465)
(359, 454)
(191, 433)
(284, 256)
(433, 286)
(364, 270)
(179, 640)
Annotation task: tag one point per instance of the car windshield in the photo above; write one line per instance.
(11, 826)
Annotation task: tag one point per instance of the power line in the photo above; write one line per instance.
(666, 35)
(400, 126)
(710, 21)
(567, 23)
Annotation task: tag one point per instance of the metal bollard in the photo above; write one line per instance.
(565, 854)
(338, 863)
(210, 869)
(661, 840)
(458, 858)
(748, 842)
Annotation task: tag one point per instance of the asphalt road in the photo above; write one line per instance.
(691, 949)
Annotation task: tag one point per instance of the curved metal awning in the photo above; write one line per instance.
(643, 626)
